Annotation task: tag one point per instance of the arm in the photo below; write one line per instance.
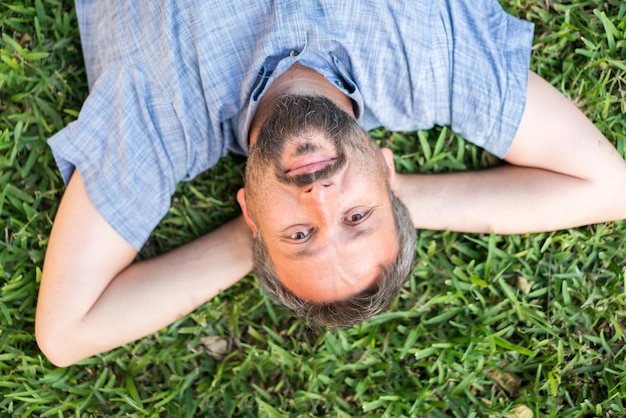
(93, 299)
(562, 173)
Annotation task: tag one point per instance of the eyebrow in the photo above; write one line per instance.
(307, 252)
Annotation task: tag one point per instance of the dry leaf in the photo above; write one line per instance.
(25, 40)
(524, 285)
(520, 411)
(215, 346)
(506, 381)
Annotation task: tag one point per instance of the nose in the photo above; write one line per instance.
(321, 193)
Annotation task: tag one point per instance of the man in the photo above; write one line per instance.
(175, 86)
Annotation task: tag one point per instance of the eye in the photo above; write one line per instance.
(299, 235)
(357, 216)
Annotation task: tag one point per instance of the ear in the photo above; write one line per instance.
(391, 168)
(241, 198)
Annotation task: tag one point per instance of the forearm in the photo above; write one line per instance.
(564, 173)
(92, 298)
(510, 199)
(151, 294)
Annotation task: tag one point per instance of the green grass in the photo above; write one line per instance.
(485, 324)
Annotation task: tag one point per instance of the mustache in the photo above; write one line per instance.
(302, 180)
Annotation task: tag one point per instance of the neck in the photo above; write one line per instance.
(298, 79)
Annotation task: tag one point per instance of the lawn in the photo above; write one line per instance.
(486, 325)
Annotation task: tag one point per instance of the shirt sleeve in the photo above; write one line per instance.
(488, 54)
(129, 147)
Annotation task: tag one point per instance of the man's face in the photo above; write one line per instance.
(323, 210)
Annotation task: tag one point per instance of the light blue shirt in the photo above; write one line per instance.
(174, 84)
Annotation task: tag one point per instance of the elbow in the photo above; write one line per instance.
(55, 344)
